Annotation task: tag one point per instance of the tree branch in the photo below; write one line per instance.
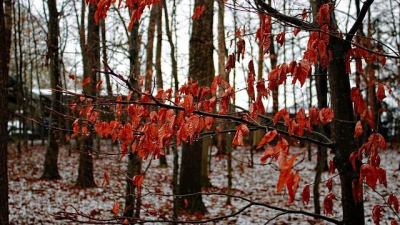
(359, 20)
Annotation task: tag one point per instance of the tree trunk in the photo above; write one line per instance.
(321, 81)
(163, 159)
(342, 126)
(134, 163)
(150, 49)
(50, 170)
(105, 58)
(274, 60)
(5, 43)
(91, 62)
(201, 69)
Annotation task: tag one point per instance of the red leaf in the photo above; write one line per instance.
(328, 203)
(296, 31)
(280, 38)
(86, 81)
(393, 202)
(324, 14)
(282, 113)
(268, 137)
(198, 12)
(332, 167)
(380, 93)
(305, 195)
(115, 208)
(286, 167)
(72, 77)
(329, 184)
(106, 178)
(393, 222)
(137, 181)
(358, 129)
(268, 153)
(353, 157)
(367, 116)
(292, 184)
(98, 84)
(377, 214)
(326, 115)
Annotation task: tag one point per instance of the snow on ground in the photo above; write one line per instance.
(36, 201)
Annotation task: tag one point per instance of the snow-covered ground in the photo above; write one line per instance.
(35, 201)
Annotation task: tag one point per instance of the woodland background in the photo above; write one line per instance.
(56, 176)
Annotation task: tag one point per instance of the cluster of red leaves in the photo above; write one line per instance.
(370, 171)
(280, 154)
(198, 11)
(263, 34)
(358, 53)
(317, 46)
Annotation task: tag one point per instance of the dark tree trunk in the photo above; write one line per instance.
(163, 159)
(150, 49)
(50, 170)
(342, 126)
(134, 163)
(5, 38)
(92, 62)
(201, 69)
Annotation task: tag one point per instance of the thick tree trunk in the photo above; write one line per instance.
(50, 170)
(5, 38)
(92, 62)
(343, 125)
(201, 69)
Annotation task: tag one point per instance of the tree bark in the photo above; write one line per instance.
(201, 69)
(343, 125)
(91, 62)
(150, 49)
(132, 201)
(50, 170)
(5, 43)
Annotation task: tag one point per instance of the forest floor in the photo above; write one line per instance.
(36, 201)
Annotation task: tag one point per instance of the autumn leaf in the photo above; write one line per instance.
(393, 202)
(328, 203)
(380, 93)
(198, 11)
(286, 167)
(358, 129)
(268, 137)
(98, 85)
(86, 81)
(367, 116)
(115, 208)
(106, 178)
(268, 153)
(372, 175)
(326, 115)
(305, 194)
(292, 184)
(72, 77)
(332, 167)
(377, 214)
(282, 113)
(137, 181)
(329, 184)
